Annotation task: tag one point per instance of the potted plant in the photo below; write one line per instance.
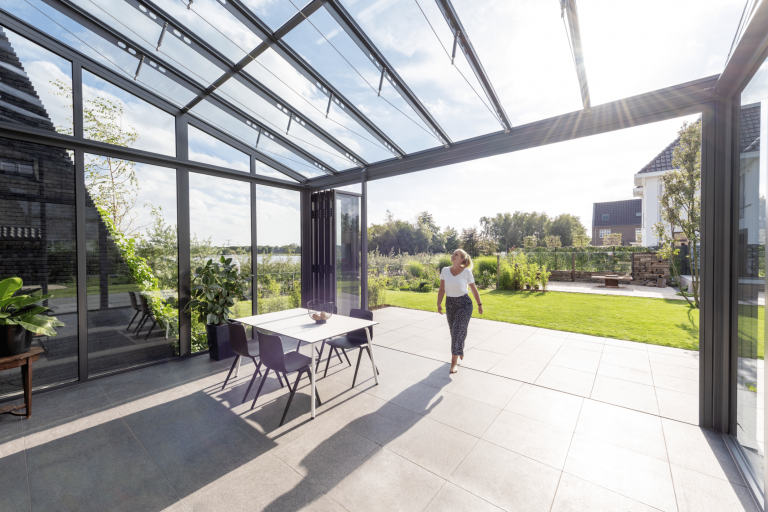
(216, 287)
(20, 317)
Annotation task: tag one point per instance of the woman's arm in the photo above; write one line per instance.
(477, 297)
(440, 295)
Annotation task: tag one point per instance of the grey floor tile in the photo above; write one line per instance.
(100, 468)
(676, 384)
(626, 344)
(13, 481)
(553, 333)
(531, 349)
(631, 353)
(506, 479)
(432, 445)
(66, 396)
(700, 450)
(384, 482)
(577, 495)
(462, 413)
(567, 380)
(622, 427)
(639, 477)
(45, 425)
(583, 345)
(688, 361)
(480, 360)
(697, 492)
(671, 351)
(534, 439)
(518, 368)
(389, 338)
(546, 405)
(587, 338)
(678, 406)
(624, 373)
(577, 359)
(483, 387)
(636, 363)
(503, 342)
(625, 394)
(674, 371)
(453, 498)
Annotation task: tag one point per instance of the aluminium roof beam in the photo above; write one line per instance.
(230, 69)
(237, 9)
(350, 26)
(100, 28)
(461, 38)
(568, 7)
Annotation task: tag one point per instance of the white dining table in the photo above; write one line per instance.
(296, 323)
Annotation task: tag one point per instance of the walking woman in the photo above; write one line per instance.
(454, 281)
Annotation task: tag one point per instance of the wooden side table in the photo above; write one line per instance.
(24, 360)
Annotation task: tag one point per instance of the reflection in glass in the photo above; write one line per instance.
(220, 224)
(132, 264)
(131, 122)
(278, 224)
(347, 217)
(210, 150)
(751, 270)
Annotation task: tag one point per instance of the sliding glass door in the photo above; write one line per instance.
(347, 219)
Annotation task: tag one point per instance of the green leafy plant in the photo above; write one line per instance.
(377, 291)
(22, 309)
(216, 288)
(415, 269)
(544, 277)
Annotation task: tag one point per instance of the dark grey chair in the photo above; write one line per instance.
(135, 307)
(243, 347)
(274, 358)
(148, 315)
(322, 346)
(355, 339)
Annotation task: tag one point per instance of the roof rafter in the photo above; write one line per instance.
(574, 32)
(460, 35)
(236, 70)
(353, 30)
(272, 40)
(125, 44)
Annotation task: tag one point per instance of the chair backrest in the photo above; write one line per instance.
(362, 314)
(144, 304)
(134, 304)
(238, 340)
(271, 352)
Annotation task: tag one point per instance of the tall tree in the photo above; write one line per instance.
(452, 240)
(680, 204)
(565, 226)
(470, 238)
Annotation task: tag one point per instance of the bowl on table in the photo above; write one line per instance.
(320, 311)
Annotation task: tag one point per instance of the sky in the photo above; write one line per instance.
(629, 48)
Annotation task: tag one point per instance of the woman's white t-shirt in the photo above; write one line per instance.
(456, 286)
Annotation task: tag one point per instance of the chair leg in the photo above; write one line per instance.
(279, 379)
(338, 355)
(319, 355)
(140, 324)
(359, 356)
(132, 319)
(346, 357)
(230, 372)
(367, 348)
(257, 365)
(328, 362)
(263, 380)
(150, 329)
(290, 397)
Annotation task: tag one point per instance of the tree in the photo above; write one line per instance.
(553, 241)
(581, 240)
(452, 240)
(680, 204)
(437, 239)
(498, 228)
(530, 242)
(470, 239)
(111, 182)
(612, 239)
(566, 226)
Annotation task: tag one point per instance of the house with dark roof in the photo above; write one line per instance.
(648, 186)
(613, 217)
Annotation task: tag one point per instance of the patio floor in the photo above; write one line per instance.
(547, 421)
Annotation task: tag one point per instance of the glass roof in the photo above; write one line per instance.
(523, 46)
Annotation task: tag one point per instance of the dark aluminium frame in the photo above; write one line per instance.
(716, 98)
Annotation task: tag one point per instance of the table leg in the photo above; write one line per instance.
(373, 359)
(312, 393)
(26, 374)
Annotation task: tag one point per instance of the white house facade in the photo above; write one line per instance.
(648, 186)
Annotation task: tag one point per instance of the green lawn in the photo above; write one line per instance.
(657, 321)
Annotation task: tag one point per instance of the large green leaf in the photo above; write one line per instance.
(10, 286)
(37, 323)
(30, 310)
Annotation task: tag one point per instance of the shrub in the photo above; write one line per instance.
(484, 279)
(485, 264)
(414, 268)
(544, 277)
(376, 291)
(443, 261)
(506, 277)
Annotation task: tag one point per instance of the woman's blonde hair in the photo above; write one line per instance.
(466, 259)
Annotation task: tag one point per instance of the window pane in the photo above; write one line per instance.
(278, 222)
(132, 263)
(750, 380)
(220, 225)
(210, 150)
(38, 245)
(347, 253)
(131, 122)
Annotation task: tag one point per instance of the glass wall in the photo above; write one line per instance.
(347, 217)
(132, 263)
(278, 228)
(220, 225)
(750, 376)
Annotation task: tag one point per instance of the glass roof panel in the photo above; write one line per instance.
(308, 101)
(274, 12)
(405, 32)
(635, 48)
(265, 170)
(355, 76)
(525, 52)
(210, 150)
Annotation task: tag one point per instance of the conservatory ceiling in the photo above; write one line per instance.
(334, 86)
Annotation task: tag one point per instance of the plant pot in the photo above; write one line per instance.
(14, 339)
(218, 342)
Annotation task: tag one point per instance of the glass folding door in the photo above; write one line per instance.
(347, 220)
